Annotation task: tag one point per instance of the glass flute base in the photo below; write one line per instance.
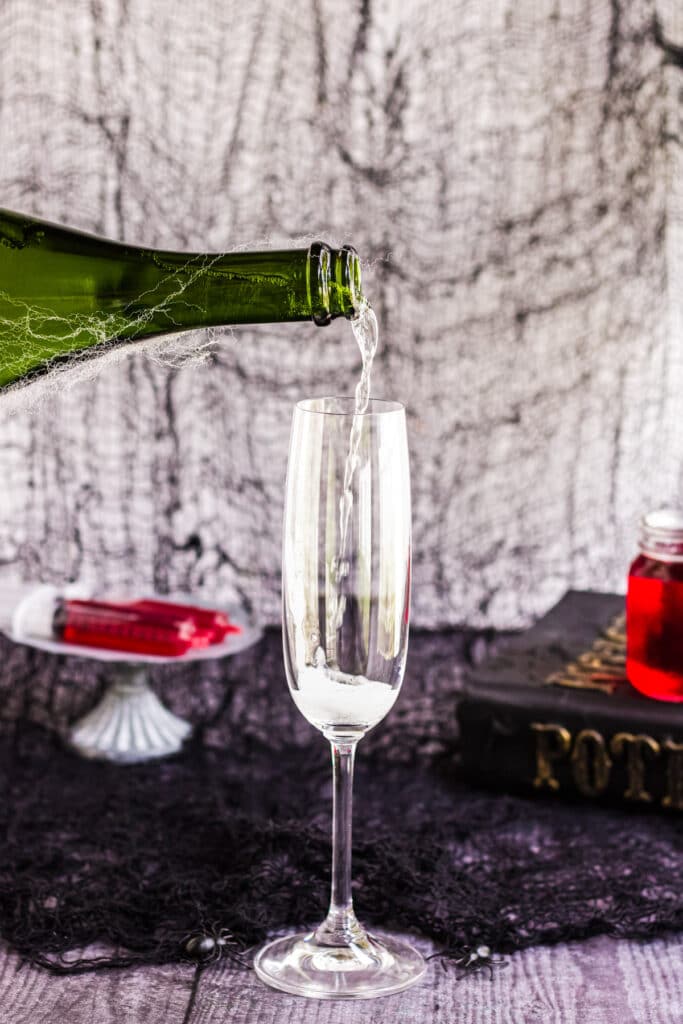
(375, 966)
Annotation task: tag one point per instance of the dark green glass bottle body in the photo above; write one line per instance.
(63, 291)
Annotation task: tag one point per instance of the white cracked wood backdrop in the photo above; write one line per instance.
(510, 173)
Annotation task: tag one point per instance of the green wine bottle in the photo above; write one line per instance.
(63, 291)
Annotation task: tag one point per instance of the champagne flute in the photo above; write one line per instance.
(346, 599)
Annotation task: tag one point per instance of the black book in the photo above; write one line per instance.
(553, 713)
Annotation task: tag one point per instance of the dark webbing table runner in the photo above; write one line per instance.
(233, 833)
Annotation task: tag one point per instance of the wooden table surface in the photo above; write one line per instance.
(600, 981)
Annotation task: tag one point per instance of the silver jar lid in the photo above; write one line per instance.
(661, 534)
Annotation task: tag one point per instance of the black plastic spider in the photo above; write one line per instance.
(470, 959)
(209, 946)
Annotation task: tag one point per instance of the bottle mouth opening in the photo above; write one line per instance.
(351, 275)
(661, 533)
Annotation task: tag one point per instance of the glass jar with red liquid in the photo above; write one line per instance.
(654, 608)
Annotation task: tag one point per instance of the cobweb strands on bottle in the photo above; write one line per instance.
(233, 834)
(103, 339)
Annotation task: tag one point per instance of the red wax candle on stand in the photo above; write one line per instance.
(216, 623)
(145, 626)
(121, 627)
(654, 608)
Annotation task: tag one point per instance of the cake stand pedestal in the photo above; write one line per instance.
(130, 724)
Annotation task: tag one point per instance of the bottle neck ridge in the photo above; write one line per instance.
(334, 283)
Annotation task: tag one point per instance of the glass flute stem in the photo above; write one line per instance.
(341, 927)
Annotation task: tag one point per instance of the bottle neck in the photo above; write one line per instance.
(273, 286)
(661, 535)
(334, 283)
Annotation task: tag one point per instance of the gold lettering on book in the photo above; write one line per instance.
(603, 667)
(635, 748)
(591, 763)
(552, 744)
(674, 775)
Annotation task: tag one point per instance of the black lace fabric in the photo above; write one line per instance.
(233, 833)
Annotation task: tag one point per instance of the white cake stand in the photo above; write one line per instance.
(130, 724)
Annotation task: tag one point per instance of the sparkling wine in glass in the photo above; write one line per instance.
(346, 599)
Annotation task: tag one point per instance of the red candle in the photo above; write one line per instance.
(654, 608)
(119, 626)
(140, 627)
(216, 625)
